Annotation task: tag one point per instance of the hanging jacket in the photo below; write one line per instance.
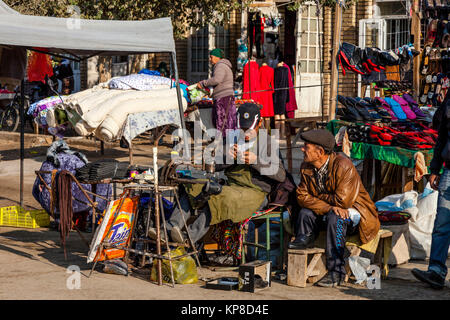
(254, 82)
(266, 74)
(281, 80)
(291, 105)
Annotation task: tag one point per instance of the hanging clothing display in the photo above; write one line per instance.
(280, 97)
(291, 105)
(254, 33)
(249, 90)
(266, 74)
(39, 65)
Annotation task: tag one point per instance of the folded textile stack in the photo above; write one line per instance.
(103, 111)
(43, 104)
(408, 135)
(393, 217)
(103, 169)
(394, 109)
(415, 140)
(382, 136)
(141, 82)
(359, 133)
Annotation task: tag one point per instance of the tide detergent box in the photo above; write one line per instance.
(115, 229)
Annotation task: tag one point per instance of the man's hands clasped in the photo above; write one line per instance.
(343, 213)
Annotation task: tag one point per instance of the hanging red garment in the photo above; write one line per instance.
(254, 80)
(266, 83)
(291, 106)
(39, 65)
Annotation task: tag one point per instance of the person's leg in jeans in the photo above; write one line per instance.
(441, 231)
(176, 218)
(200, 226)
(337, 230)
(307, 223)
(197, 229)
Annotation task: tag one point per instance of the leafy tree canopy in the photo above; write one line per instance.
(184, 13)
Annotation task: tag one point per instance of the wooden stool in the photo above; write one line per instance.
(383, 252)
(381, 256)
(307, 265)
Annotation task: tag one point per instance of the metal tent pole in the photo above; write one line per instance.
(22, 137)
(180, 106)
(334, 55)
(249, 55)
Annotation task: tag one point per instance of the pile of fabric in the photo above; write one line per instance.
(40, 112)
(61, 158)
(103, 109)
(390, 109)
(103, 169)
(408, 136)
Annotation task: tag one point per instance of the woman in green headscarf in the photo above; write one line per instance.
(224, 113)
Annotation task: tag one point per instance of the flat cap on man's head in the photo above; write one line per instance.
(320, 137)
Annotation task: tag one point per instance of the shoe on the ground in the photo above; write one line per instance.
(303, 241)
(430, 277)
(260, 283)
(331, 280)
(176, 235)
(152, 235)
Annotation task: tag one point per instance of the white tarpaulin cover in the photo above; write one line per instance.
(4, 8)
(85, 37)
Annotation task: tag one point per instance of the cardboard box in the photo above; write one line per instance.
(255, 276)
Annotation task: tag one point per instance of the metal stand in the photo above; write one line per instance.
(156, 191)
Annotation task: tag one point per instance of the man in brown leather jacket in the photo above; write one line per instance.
(332, 197)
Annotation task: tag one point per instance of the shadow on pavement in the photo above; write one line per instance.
(46, 244)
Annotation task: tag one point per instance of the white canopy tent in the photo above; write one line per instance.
(82, 38)
(4, 8)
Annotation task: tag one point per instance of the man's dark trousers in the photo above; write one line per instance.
(337, 229)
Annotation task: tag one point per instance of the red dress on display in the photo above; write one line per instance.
(291, 106)
(266, 97)
(254, 81)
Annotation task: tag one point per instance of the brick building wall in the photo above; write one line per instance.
(348, 85)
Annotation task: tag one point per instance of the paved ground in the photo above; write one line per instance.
(33, 267)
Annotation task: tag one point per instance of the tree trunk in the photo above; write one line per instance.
(104, 68)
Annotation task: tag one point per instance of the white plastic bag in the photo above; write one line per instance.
(359, 266)
(421, 224)
(403, 202)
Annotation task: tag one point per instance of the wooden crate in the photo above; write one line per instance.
(304, 266)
